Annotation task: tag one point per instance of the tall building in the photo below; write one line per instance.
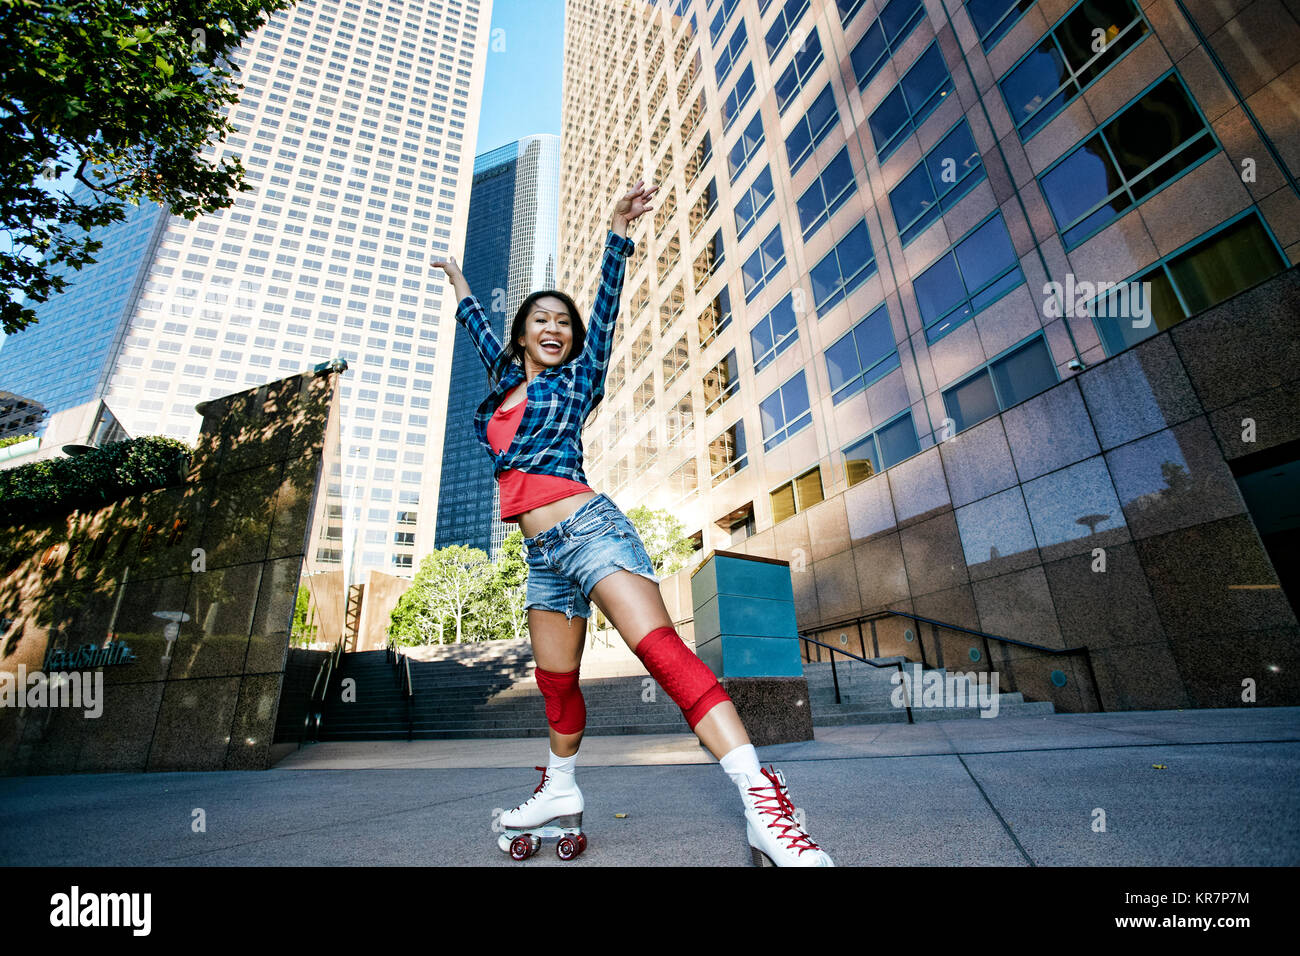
(355, 126)
(897, 313)
(510, 252)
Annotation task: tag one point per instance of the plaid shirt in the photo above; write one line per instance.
(549, 439)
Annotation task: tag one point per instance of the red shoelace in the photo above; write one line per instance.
(782, 809)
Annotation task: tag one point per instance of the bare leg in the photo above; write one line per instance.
(557, 646)
(636, 607)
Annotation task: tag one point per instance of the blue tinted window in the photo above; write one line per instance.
(893, 442)
(719, 22)
(727, 55)
(811, 129)
(1065, 62)
(895, 24)
(738, 97)
(915, 97)
(993, 18)
(980, 269)
(949, 171)
(804, 62)
(1019, 374)
(861, 356)
(783, 24)
(827, 193)
(750, 140)
(763, 264)
(774, 333)
(785, 412)
(755, 199)
(1144, 147)
(844, 268)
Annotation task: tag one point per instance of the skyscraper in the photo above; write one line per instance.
(355, 126)
(908, 271)
(510, 252)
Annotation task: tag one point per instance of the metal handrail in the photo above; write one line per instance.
(316, 715)
(985, 638)
(836, 678)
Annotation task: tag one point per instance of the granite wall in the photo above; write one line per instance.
(216, 560)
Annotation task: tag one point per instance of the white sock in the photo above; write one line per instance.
(741, 765)
(567, 766)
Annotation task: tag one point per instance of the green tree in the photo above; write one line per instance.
(124, 96)
(500, 610)
(664, 538)
(304, 621)
(447, 586)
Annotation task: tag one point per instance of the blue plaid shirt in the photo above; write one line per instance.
(549, 439)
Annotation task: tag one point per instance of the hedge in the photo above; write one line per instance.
(107, 474)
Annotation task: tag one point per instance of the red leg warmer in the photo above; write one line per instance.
(685, 678)
(566, 711)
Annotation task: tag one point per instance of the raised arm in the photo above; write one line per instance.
(469, 313)
(593, 362)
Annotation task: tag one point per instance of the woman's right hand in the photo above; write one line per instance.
(453, 272)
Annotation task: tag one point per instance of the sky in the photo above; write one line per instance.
(521, 89)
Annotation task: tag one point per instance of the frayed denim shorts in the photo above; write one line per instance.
(566, 561)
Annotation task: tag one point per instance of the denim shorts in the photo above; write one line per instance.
(566, 561)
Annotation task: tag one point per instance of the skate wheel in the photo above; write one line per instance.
(521, 848)
(582, 842)
(567, 848)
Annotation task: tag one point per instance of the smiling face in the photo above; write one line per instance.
(548, 333)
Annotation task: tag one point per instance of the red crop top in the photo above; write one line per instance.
(521, 491)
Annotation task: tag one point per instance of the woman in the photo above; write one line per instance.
(580, 548)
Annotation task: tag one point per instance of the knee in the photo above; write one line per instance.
(566, 711)
(685, 678)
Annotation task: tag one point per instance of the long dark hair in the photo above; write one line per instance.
(514, 352)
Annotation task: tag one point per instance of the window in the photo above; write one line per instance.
(681, 420)
(1065, 62)
(715, 317)
(843, 269)
(993, 18)
(811, 129)
(806, 59)
(707, 262)
(980, 269)
(797, 495)
(1020, 373)
(763, 264)
(738, 97)
(750, 140)
(1144, 147)
(1200, 275)
(672, 307)
(721, 382)
(719, 22)
(684, 482)
(727, 55)
(642, 346)
(675, 361)
(703, 207)
(889, 444)
(700, 157)
(827, 193)
(754, 201)
(774, 333)
(864, 354)
(643, 399)
(785, 412)
(783, 25)
(896, 21)
(916, 96)
(949, 171)
(727, 454)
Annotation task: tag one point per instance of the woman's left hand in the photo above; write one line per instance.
(635, 203)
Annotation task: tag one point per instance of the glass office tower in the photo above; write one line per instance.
(356, 126)
(903, 255)
(510, 252)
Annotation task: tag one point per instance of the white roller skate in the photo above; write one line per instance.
(549, 812)
(775, 836)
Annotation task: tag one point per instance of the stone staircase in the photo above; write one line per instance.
(477, 691)
(866, 691)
